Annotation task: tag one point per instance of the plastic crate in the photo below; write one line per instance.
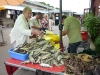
(18, 56)
(84, 35)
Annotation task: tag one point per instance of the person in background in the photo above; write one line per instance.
(14, 18)
(72, 29)
(21, 31)
(35, 21)
(45, 22)
(1, 22)
(50, 23)
(79, 18)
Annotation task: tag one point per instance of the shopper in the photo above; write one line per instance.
(21, 30)
(72, 29)
(45, 22)
(50, 23)
(1, 22)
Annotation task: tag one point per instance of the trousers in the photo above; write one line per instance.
(73, 47)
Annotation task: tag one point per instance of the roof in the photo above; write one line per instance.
(56, 11)
(22, 7)
(37, 4)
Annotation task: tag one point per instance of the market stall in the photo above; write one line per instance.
(41, 54)
(45, 55)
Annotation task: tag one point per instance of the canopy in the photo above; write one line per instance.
(22, 7)
(2, 8)
(11, 2)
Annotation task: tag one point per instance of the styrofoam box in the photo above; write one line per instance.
(18, 56)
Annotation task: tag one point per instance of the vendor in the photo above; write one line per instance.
(21, 30)
(72, 29)
(35, 21)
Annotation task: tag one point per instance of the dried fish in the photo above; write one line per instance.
(45, 56)
(59, 57)
(42, 51)
(38, 60)
(26, 49)
(45, 47)
(32, 60)
(55, 62)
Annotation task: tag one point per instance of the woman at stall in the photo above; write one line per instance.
(21, 31)
(45, 22)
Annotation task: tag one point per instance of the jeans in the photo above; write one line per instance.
(73, 47)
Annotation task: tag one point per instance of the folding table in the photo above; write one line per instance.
(13, 64)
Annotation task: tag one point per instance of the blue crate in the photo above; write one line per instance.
(18, 56)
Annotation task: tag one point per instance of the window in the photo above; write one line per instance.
(99, 11)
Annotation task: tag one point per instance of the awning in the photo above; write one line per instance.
(22, 7)
(11, 2)
(2, 8)
(57, 11)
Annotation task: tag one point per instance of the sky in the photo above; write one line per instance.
(73, 5)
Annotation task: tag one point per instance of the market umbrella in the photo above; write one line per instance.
(2, 8)
(11, 2)
(60, 25)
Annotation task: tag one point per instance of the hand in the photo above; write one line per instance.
(34, 36)
(36, 32)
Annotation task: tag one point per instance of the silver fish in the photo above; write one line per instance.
(59, 57)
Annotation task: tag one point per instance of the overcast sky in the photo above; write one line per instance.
(73, 5)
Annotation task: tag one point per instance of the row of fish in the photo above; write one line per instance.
(43, 52)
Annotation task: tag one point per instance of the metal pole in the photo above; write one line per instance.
(3, 42)
(2, 36)
(60, 25)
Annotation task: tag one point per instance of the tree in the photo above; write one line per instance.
(43, 3)
(52, 6)
(57, 8)
(48, 4)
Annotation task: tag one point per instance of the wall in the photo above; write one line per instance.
(95, 4)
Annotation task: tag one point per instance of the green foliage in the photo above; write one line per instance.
(97, 44)
(92, 24)
(43, 3)
(57, 8)
(46, 4)
(52, 6)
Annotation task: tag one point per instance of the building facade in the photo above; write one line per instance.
(95, 6)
